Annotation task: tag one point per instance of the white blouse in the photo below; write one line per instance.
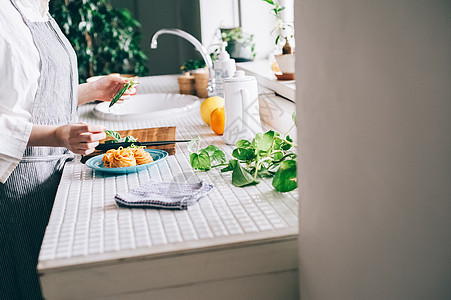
(20, 69)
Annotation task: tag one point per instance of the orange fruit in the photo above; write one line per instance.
(208, 106)
(217, 120)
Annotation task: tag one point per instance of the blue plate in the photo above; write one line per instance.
(96, 163)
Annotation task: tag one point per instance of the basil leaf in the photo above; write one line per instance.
(200, 161)
(129, 139)
(285, 179)
(243, 154)
(113, 134)
(241, 177)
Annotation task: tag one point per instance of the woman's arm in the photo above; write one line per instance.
(103, 89)
(80, 138)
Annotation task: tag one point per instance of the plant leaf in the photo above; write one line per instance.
(218, 156)
(243, 144)
(240, 176)
(277, 143)
(285, 179)
(269, 1)
(192, 143)
(200, 161)
(231, 166)
(265, 173)
(113, 134)
(243, 154)
(130, 139)
(286, 146)
(211, 149)
(263, 141)
(278, 156)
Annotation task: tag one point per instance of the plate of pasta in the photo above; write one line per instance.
(126, 160)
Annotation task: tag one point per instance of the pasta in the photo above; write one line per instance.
(141, 156)
(126, 157)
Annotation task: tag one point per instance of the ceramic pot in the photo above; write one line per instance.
(286, 63)
(242, 113)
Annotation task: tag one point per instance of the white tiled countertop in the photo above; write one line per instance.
(87, 229)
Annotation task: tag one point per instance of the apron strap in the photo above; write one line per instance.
(20, 12)
(26, 21)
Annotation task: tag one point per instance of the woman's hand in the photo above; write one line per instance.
(80, 138)
(103, 89)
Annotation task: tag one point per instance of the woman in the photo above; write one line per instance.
(38, 99)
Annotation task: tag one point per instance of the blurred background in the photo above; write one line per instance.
(113, 36)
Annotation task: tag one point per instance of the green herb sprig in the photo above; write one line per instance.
(268, 155)
(118, 139)
(121, 92)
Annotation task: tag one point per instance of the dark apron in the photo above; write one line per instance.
(26, 199)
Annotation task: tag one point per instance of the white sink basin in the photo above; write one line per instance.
(148, 106)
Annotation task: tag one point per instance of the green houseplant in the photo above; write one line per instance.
(282, 29)
(105, 39)
(284, 54)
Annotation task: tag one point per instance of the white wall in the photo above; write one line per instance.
(374, 108)
(215, 14)
(256, 19)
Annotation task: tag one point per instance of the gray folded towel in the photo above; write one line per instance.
(170, 195)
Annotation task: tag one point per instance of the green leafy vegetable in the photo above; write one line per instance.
(117, 137)
(285, 178)
(216, 154)
(121, 92)
(230, 166)
(203, 159)
(241, 177)
(243, 144)
(200, 161)
(244, 154)
(268, 155)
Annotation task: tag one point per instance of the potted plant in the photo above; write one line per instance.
(105, 39)
(284, 41)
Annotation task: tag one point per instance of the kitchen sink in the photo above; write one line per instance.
(148, 106)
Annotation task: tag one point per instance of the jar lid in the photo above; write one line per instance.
(239, 76)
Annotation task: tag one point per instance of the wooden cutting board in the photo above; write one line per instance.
(145, 135)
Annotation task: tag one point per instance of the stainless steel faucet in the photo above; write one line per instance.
(199, 47)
